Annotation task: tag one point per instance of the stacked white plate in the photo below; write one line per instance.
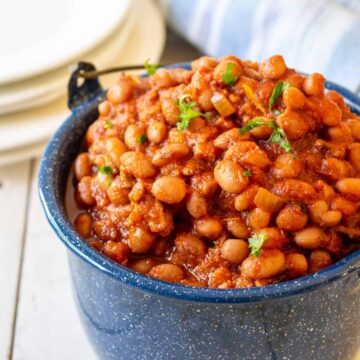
(37, 52)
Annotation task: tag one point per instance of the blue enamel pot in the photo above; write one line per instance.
(131, 316)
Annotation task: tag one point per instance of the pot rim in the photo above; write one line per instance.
(56, 216)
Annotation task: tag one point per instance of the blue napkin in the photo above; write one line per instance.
(312, 35)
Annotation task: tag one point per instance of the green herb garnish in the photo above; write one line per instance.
(108, 124)
(141, 139)
(227, 77)
(247, 173)
(277, 92)
(150, 68)
(256, 241)
(252, 124)
(105, 170)
(187, 112)
(278, 135)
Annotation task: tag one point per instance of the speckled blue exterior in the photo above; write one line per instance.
(131, 316)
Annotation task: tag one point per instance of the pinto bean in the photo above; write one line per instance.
(137, 164)
(287, 166)
(209, 227)
(310, 238)
(140, 240)
(314, 84)
(196, 205)
(190, 245)
(117, 251)
(294, 98)
(235, 250)
(319, 259)
(82, 166)
(229, 176)
(296, 265)
(273, 68)
(169, 189)
(167, 272)
(83, 224)
(259, 219)
(349, 187)
(156, 132)
(120, 92)
(270, 263)
(291, 218)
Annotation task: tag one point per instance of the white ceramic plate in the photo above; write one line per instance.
(39, 35)
(146, 41)
(45, 88)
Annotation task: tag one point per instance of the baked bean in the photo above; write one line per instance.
(354, 156)
(273, 68)
(270, 263)
(204, 61)
(259, 219)
(330, 218)
(143, 266)
(170, 153)
(219, 276)
(104, 108)
(169, 189)
(331, 113)
(117, 194)
(120, 92)
(237, 228)
(229, 175)
(293, 124)
(335, 169)
(291, 218)
(162, 79)
(190, 245)
(82, 166)
(117, 251)
(223, 67)
(274, 238)
(340, 133)
(345, 206)
(209, 227)
(196, 205)
(287, 166)
(294, 98)
(319, 259)
(137, 164)
(295, 189)
(105, 230)
(205, 184)
(83, 224)
(140, 240)
(235, 250)
(245, 200)
(263, 132)
(170, 110)
(316, 209)
(131, 136)
(167, 272)
(335, 244)
(310, 238)
(349, 187)
(296, 265)
(84, 191)
(354, 126)
(228, 138)
(114, 149)
(204, 99)
(156, 132)
(314, 85)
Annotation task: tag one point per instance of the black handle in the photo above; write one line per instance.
(88, 88)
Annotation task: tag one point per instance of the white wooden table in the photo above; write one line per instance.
(38, 319)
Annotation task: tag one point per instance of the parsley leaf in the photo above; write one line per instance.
(105, 170)
(187, 112)
(256, 241)
(278, 135)
(150, 68)
(141, 139)
(247, 173)
(277, 92)
(227, 77)
(254, 123)
(108, 124)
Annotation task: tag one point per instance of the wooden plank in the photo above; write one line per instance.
(14, 187)
(47, 325)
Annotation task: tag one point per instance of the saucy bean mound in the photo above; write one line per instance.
(232, 174)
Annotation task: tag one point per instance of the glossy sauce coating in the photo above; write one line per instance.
(180, 204)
